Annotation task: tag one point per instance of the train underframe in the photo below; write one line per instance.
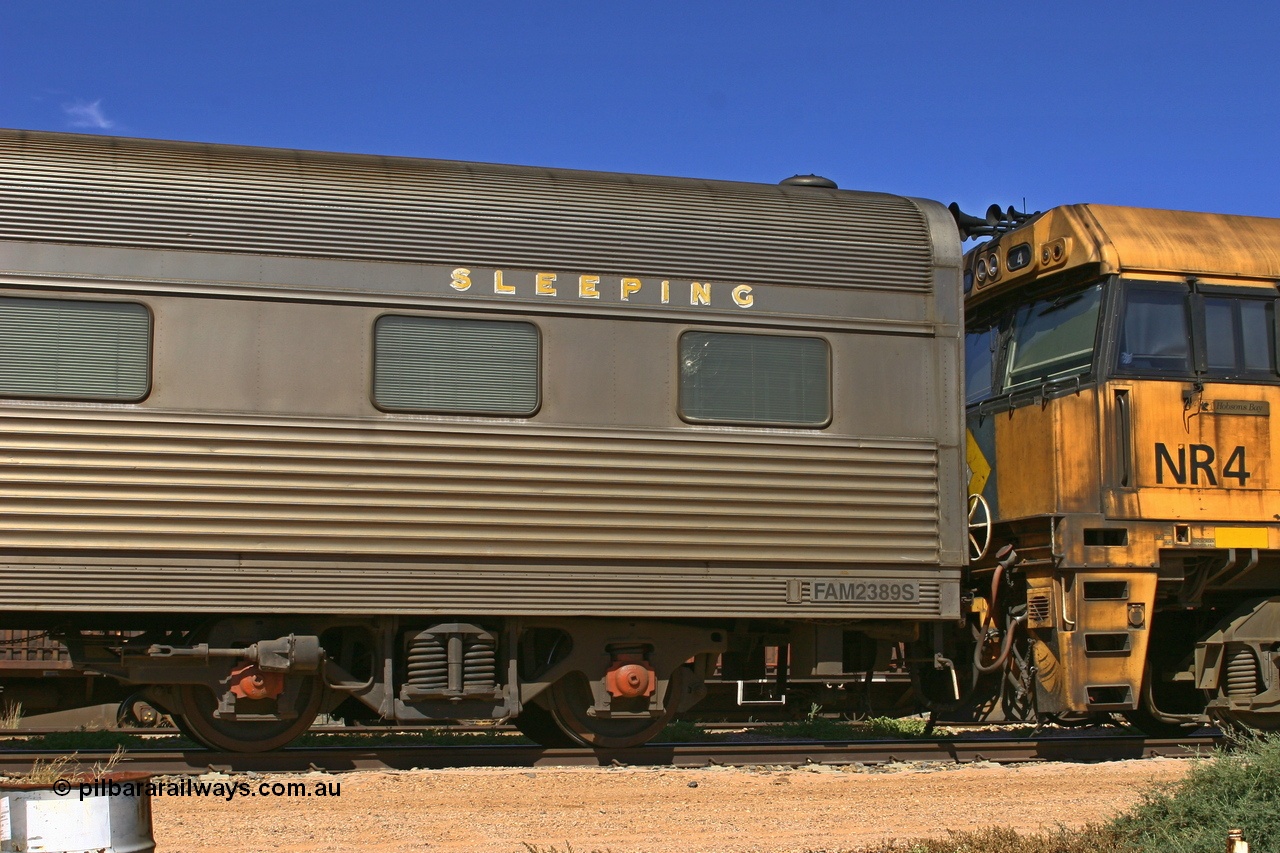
(254, 683)
(1193, 640)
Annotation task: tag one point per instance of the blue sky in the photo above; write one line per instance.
(1169, 104)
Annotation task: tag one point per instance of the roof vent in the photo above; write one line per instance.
(809, 181)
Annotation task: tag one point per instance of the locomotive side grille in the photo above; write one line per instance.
(1244, 677)
(1039, 608)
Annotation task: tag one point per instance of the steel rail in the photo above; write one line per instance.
(170, 731)
(342, 759)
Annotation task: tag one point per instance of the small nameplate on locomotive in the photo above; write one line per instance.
(1241, 407)
(865, 591)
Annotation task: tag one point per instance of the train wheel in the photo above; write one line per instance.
(539, 725)
(571, 700)
(196, 719)
(180, 723)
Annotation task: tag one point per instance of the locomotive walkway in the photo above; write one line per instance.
(1068, 748)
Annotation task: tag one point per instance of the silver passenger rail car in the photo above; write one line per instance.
(438, 440)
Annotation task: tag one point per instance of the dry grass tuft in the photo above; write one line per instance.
(1091, 839)
(47, 772)
(10, 714)
(101, 769)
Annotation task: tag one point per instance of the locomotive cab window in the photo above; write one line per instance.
(1239, 340)
(979, 364)
(1155, 331)
(452, 366)
(757, 380)
(1053, 339)
(74, 350)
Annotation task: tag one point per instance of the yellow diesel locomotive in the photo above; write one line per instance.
(1121, 375)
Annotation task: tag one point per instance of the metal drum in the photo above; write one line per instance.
(107, 814)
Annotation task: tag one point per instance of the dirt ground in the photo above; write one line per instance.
(628, 810)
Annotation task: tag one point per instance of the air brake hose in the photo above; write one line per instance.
(1010, 628)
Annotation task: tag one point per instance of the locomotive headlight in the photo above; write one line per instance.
(981, 271)
(993, 266)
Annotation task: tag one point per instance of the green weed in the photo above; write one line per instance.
(820, 728)
(816, 727)
(901, 728)
(71, 741)
(1238, 789)
(426, 737)
(683, 731)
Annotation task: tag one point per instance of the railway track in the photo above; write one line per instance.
(1074, 748)
(461, 728)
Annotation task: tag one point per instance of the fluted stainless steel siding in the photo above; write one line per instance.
(71, 481)
(138, 193)
(259, 476)
(195, 586)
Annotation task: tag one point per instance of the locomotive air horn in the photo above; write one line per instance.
(970, 226)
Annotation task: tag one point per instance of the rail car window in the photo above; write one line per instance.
(1155, 335)
(979, 364)
(1053, 338)
(1238, 335)
(759, 380)
(453, 366)
(77, 350)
